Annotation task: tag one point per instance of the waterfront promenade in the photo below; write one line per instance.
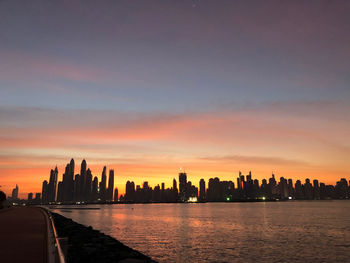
(23, 232)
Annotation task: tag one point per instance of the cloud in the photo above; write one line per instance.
(24, 66)
(256, 160)
(252, 125)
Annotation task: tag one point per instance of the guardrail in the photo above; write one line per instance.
(59, 256)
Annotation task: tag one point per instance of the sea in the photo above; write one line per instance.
(291, 231)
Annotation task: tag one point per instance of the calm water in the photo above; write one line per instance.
(317, 231)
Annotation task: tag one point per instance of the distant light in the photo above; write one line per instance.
(290, 198)
(263, 198)
(227, 198)
(192, 199)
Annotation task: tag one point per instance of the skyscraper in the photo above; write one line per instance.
(317, 189)
(52, 186)
(174, 184)
(77, 187)
(68, 182)
(15, 192)
(110, 185)
(82, 181)
(60, 192)
(44, 192)
(130, 191)
(183, 186)
(175, 191)
(94, 190)
(116, 197)
(88, 185)
(202, 190)
(103, 185)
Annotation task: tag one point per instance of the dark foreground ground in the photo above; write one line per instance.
(88, 245)
(23, 235)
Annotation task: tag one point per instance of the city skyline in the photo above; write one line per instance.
(149, 87)
(85, 187)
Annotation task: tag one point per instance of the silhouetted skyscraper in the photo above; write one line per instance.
(175, 192)
(103, 185)
(82, 181)
(88, 185)
(308, 191)
(15, 192)
(183, 186)
(202, 190)
(77, 187)
(94, 190)
(44, 193)
(52, 186)
(110, 185)
(68, 182)
(116, 197)
(130, 191)
(316, 190)
(283, 188)
(174, 184)
(214, 191)
(60, 192)
(298, 190)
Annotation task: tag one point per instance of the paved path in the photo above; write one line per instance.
(23, 235)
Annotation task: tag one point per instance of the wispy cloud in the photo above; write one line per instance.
(20, 66)
(296, 139)
(256, 160)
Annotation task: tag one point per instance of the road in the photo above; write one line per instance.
(23, 235)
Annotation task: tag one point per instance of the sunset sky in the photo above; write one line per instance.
(148, 87)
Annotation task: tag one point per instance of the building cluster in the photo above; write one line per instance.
(158, 194)
(77, 188)
(250, 189)
(246, 189)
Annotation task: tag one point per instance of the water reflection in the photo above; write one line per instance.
(228, 232)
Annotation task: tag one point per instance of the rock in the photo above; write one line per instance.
(88, 245)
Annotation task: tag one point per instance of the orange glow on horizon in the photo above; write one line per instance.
(152, 148)
(30, 179)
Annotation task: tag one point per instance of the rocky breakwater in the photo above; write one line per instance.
(85, 244)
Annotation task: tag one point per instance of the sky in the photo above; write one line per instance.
(148, 88)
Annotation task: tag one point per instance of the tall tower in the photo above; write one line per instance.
(82, 181)
(103, 185)
(202, 190)
(15, 193)
(94, 189)
(129, 191)
(68, 182)
(183, 186)
(52, 186)
(116, 197)
(110, 185)
(174, 184)
(88, 185)
(44, 192)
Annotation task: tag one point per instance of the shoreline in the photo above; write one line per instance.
(208, 202)
(85, 244)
